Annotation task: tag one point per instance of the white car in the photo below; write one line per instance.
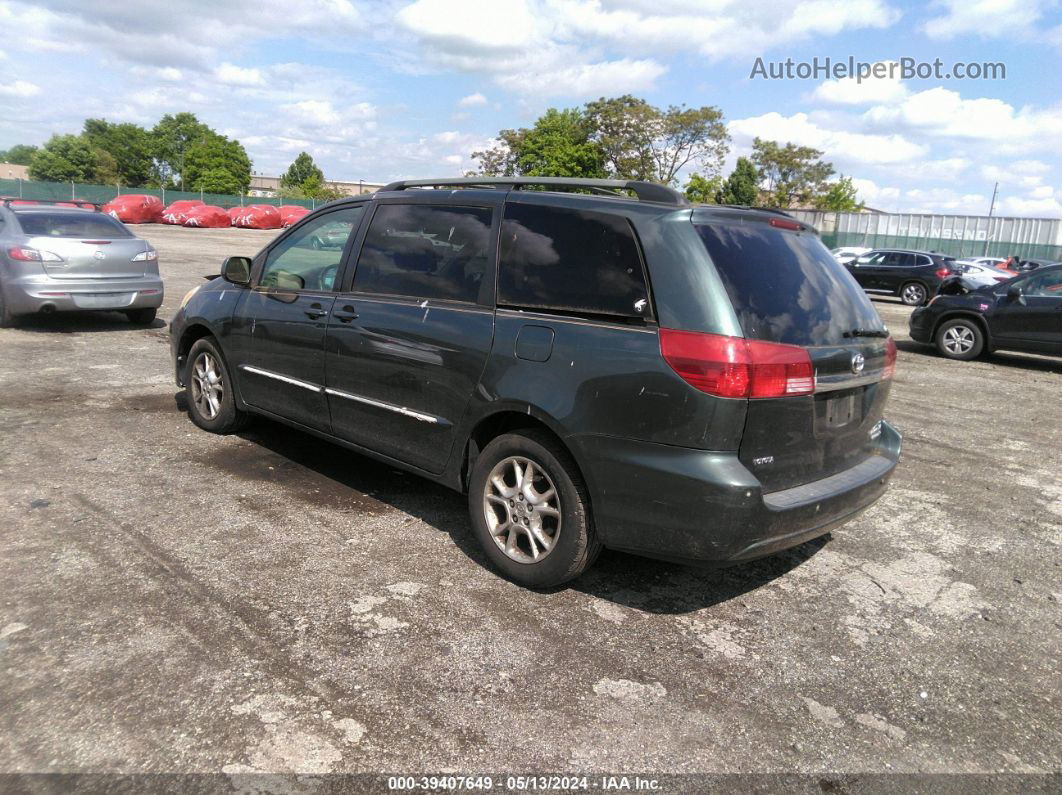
(846, 254)
(980, 272)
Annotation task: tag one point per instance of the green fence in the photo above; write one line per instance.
(949, 246)
(101, 194)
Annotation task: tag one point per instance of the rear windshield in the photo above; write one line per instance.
(74, 224)
(785, 286)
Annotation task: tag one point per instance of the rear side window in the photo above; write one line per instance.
(785, 287)
(425, 251)
(571, 261)
(74, 224)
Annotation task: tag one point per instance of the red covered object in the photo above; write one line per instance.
(135, 209)
(290, 213)
(207, 216)
(256, 216)
(176, 212)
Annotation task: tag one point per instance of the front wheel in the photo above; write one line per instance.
(530, 510)
(208, 388)
(914, 294)
(960, 339)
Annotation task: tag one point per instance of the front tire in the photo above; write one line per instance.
(914, 294)
(209, 392)
(960, 339)
(530, 510)
(142, 317)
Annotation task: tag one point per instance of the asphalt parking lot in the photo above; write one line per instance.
(174, 601)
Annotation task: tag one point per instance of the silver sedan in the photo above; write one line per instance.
(56, 259)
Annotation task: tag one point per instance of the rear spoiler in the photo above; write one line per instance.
(81, 204)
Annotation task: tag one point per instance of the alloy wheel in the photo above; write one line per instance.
(522, 509)
(914, 294)
(207, 385)
(959, 340)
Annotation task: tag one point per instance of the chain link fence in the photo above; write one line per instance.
(101, 194)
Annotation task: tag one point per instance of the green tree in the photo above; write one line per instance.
(19, 154)
(703, 190)
(218, 180)
(128, 145)
(171, 138)
(840, 196)
(742, 186)
(65, 158)
(558, 145)
(301, 169)
(106, 169)
(624, 127)
(314, 187)
(216, 153)
(794, 174)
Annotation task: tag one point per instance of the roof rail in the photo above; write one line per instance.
(645, 191)
(82, 204)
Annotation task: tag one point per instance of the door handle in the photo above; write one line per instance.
(346, 314)
(315, 311)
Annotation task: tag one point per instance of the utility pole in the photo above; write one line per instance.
(991, 209)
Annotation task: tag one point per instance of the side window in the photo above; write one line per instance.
(309, 257)
(425, 251)
(576, 261)
(1047, 285)
(923, 261)
(892, 259)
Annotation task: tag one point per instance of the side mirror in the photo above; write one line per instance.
(1014, 293)
(237, 270)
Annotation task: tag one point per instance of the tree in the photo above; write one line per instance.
(19, 154)
(741, 186)
(127, 145)
(170, 140)
(314, 187)
(840, 196)
(702, 190)
(65, 158)
(212, 154)
(623, 127)
(218, 180)
(301, 169)
(558, 145)
(794, 174)
(106, 169)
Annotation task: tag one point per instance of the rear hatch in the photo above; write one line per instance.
(788, 290)
(81, 244)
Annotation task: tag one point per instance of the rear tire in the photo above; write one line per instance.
(530, 510)
(960, 339)
(209, 390)
(142, 317)
(914, 294)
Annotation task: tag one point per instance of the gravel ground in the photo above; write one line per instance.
(174, 601)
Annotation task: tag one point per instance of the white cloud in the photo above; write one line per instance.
(472, 100)
(837, 144)
(869, 90)
(985, 18)
(19, 88)
(585, 80)
(233, 75)
(1041, 202)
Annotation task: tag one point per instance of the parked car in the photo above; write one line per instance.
(979, 274)
(1022, 314)
(63, 258)
(847, 254)
(913, 276)
(695, 384)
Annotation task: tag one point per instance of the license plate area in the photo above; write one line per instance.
(840, 410)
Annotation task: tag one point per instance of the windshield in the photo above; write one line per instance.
(785, 287)
(73, 224)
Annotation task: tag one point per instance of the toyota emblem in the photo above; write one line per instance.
(858, 363)
(98, 254)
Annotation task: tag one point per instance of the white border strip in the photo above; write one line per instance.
(277, 376)
(379, 404)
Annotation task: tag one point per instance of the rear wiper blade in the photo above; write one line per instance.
(866, 332)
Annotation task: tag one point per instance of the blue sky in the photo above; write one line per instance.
(376, 90)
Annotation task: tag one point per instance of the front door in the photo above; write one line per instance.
(408, 342)
(279, 325)
(1033, 321)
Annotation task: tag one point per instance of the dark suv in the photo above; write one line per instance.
(913, 276)
(695, 384)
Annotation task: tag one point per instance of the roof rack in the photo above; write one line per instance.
(645, 191)
(81, 204)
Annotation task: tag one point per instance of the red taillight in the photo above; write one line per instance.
(737, 368)
(785, 223)
(24, 254)
(942, 272)
(890, 358)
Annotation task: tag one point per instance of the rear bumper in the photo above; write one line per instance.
(37, 293)
(696, 506)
